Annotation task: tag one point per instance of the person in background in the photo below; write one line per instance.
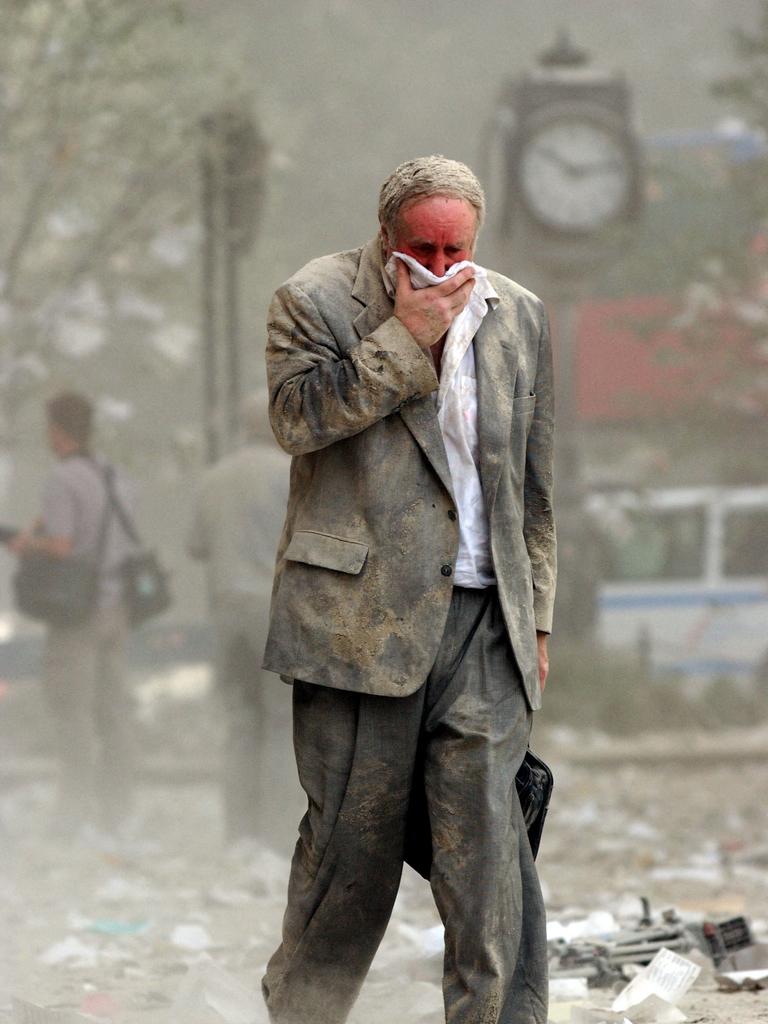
(84, 666)
(235, 528)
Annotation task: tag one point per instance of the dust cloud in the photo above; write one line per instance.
(136, 268)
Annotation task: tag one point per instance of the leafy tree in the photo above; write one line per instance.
(721, 325)
(100, 102)
(748, 88)
(732, 299)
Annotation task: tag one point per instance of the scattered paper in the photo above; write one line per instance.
(655, 1010)
(70, 951)
(598, 924)
(563, 990)
(192, 937)
(668, 976)
(208, 992)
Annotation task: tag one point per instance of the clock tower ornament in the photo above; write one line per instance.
(573, 170)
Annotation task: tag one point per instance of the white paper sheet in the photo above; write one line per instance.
(668, 976)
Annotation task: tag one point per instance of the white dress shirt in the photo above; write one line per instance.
(457, 416)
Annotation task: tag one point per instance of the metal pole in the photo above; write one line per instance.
(232, 285)
(208, 293)
(569, 469)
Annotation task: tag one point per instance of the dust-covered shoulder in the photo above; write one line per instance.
(326, 274)
(515, 297)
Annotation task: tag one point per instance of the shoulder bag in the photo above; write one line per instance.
(146, 589)
(60, 591)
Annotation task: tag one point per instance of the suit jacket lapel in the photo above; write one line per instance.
(420, 415)
(369, 290)
(496, 368)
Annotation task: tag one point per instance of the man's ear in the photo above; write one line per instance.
(386, 245)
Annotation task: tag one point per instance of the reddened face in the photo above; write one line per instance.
(437, 231)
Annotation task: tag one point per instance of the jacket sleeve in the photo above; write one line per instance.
(319, 394)
(538, 521)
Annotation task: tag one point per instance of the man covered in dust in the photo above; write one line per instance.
(412, 600)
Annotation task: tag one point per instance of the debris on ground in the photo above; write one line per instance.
(209, 993)
(599, 949)
(172, 916)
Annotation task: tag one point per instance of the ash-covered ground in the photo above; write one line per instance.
(140, 930)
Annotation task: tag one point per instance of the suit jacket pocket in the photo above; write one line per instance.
(524, 403)
(326, 551)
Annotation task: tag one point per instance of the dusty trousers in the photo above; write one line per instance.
(365, 762)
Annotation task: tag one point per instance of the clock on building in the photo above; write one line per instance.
(576, 173)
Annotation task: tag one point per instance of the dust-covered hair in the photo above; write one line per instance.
(428, 176)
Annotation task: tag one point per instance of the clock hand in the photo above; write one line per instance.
(554, 157)
(579, 170)
(605, 165)
(571, 169)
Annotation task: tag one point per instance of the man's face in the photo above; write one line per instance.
(58, 440)
(438, 232)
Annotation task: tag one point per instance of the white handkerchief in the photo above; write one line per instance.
(465, 325)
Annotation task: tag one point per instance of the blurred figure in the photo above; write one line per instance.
(84, 665)
(236, 523)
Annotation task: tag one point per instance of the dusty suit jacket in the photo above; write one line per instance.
(364, 568)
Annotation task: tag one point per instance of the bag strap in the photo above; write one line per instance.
(101, 542)
(115, 503)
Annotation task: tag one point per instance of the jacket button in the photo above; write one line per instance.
(446, 570)
(452, 515)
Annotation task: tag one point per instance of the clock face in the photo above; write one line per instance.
(575, 175)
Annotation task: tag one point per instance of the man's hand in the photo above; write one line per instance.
(427, 313)
(21, 543)
(541, 641)
(27, 542)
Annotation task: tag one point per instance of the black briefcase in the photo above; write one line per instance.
(534, 781)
